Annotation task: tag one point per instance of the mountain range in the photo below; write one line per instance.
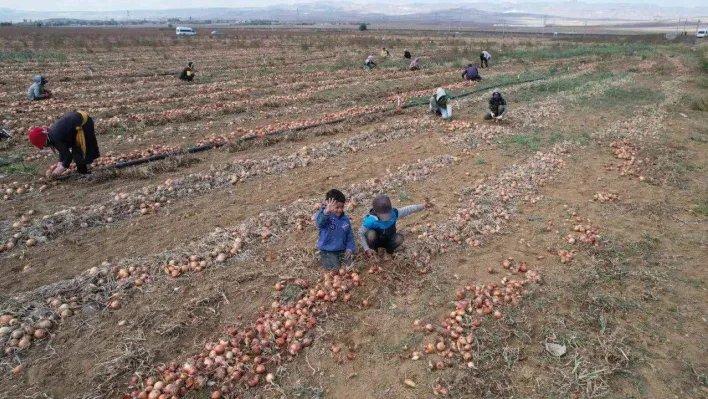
(380, 12)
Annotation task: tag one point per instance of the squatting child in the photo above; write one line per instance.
(336, 241)
(379, 227)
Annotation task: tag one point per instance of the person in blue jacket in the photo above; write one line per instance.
(336, 240)
(379, 227)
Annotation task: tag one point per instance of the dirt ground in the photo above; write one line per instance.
(580, 221)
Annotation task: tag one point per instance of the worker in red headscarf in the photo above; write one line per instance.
(73, 137)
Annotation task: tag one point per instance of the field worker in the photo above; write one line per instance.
(406, 54)
(37, 91)
(439, 104)
(497, 106)
(384, 52)
(379, 227)
(484, 58)
(336, 235)
(369, 63)
(415, 64)
(471, 73)
(188, 72)
(73, 137)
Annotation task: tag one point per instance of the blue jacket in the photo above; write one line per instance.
(388, 228)
(471, 72)
(336, 233)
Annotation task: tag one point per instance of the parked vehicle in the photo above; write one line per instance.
(702, 33)
(217, 33)
(185, 31)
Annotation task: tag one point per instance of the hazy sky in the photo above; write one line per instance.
(108, 5)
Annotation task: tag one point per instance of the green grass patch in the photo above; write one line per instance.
(700, 104)
(525, 142)
(480, 161)
(18, 168)
(623, 97)
(702, 208)
(24, 56)
(572, 50)
(555, 86)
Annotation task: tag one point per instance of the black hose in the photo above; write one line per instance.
(206, 147)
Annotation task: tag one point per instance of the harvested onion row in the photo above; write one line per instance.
(491, 203)
(247, 357)
(454, 336)
(603, 197)
(16, 189)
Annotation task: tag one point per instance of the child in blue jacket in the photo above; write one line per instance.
(379, 227)
(336, 242)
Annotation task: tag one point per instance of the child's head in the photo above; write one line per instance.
(382, 207)
(339, 200)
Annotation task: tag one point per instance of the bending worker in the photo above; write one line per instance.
(497, 106)
(415, 64)
(471, 73)
(188, 72)
(484, 58)
(439, 104)
(369, 63)
(37, 91)
(406, 54)
(73, 137)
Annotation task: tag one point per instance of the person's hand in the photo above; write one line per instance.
(329, 206)
(59, 170)
(348, 253)
(492, 114)
(499, 117)
(371, 253)
(427, 204)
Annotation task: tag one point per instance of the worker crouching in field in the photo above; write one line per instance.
(497, 106)
(188, 72)
(379, 227)
(369, 63)
(384, 52)
(407, 54)
(415, 64)
(73, 137)
(439, 104)
(471, 73)
(37, 91)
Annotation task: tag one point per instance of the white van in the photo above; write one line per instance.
(185, 31)
(702, 33)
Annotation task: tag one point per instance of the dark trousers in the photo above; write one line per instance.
(483, 62)
(82, 168)
(387, 242)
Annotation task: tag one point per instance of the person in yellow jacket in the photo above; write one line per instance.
(188, 72)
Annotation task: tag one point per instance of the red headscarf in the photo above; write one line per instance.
(38, 137)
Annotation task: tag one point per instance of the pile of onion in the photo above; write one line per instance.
(454, 337)
(247, 357)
